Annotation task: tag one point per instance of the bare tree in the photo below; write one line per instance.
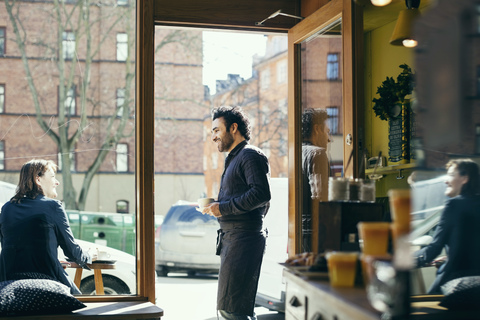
(88, 27)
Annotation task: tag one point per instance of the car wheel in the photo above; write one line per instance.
(111, 285)
(162, 271)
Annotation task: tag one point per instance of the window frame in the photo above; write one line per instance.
(67, 55)
(333, 120)
(120, 100)
(3, 98)
(4, 51)
(125, 155)
(127, 206)
(71, 110)
(73, 162)
(333, 66)
(2, 155)
(151, 13)
(121, 48)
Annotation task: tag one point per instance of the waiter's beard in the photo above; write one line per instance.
(225, 142)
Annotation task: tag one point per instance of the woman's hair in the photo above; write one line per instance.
(311, 117)
(27, 187)
(467, 167)
(233, 115)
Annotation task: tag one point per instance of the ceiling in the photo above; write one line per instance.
(375, 17)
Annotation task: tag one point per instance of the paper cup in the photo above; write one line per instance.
(400, 208)
(374, 237)
(202, 202)
(342, 267)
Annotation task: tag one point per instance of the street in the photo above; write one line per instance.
(194, 298)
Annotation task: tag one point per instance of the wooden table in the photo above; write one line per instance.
(97, 274)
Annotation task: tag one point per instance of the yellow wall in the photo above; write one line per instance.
(382, 60)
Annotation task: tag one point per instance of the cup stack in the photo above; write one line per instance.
(400, 208)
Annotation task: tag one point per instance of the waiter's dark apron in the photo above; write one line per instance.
(241, 247)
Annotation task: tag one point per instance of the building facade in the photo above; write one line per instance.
(67, 94)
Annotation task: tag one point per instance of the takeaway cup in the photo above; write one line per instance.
(373, 237)
(202, 202)
(342, 267)
(400, 208)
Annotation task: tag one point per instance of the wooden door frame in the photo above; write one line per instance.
(352, 53)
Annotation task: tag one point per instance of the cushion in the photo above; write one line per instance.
(462, 293)
(36, 296)
(29, 275)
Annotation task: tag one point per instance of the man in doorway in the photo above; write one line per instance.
(315, 168)
(243, 201)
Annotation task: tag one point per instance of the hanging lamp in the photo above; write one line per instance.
(380, 3)
(402, 34)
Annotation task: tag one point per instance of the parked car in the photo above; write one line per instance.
(185, 241)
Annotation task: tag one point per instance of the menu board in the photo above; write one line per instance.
(395, 144)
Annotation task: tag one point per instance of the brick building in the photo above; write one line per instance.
(264, 98)
(82, 84)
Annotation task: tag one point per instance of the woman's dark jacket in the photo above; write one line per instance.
(30, 233)
(458, 231)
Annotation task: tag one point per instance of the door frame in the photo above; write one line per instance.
(352, 91)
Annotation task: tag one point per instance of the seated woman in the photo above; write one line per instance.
(457, 230)
(33, 225)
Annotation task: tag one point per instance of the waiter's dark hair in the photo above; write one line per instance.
(27, 186)
(311, 117)
(233, 115)
(467, 167)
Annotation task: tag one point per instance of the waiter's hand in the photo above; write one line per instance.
(212, 209)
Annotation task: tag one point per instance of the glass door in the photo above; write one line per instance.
(322, 118)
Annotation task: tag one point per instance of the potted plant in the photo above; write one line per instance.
(393, 107)
(392, 94)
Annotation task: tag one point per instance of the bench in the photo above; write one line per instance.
(105, 310)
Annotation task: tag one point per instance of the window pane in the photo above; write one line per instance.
(2, 98)
(68, 45)
(120, 101)
(122, 46)
(72, 119)
(332, 66)
(122, 157)
(2, 155)
(2, 41)
(70, 102)
(332, 119)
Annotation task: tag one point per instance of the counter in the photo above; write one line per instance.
(315, 299)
